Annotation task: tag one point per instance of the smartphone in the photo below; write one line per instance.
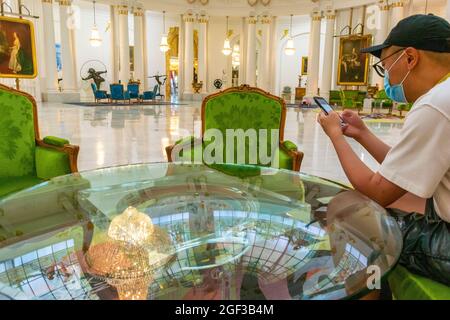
(325, 106)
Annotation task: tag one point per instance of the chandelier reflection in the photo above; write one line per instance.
(133, 250)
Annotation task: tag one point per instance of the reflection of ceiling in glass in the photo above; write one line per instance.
(280, 248)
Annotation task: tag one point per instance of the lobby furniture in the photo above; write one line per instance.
(406, 285)
(118, 93)
(99, 94)
(25, 158)
(299, 93)
(243, 108)
(382, 101)
(150, 95)
(402, 107)
(335, 98)
(133, 90)
(264, 234)
(352, 99)
(286, 94)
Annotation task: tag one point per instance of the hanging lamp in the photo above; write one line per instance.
(164, 46)
(95, 39)
(226, 45)
(289, 50)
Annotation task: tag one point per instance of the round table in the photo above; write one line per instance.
(189, 231)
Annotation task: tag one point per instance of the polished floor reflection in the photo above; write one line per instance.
(118, 135)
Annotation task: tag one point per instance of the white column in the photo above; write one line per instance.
(188, 53)
(69, 82)
(202, 51)
(124, 45)
(328, 55)
(381, 35)
(51, 73)
(314, 55)
(251, 52)
(264, 68)
(139, 45)
(397, 12)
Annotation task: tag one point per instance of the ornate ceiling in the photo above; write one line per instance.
(247, 7)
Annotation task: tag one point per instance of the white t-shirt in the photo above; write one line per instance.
(420, 161)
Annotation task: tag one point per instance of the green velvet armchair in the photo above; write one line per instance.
(381, 100)
(241, 108)
(335, 98)
(352, 99)
(25, 159)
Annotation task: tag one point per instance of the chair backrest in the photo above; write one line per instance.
(133, 88)
(18, 133)
(94, 87)
(381, 95)
(244, 108)
(155, 89)
(116, 91)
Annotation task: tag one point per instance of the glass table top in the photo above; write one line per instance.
(188, 231)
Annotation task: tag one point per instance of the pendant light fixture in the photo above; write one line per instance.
(226, 45)
(289, 50)
(164, 46)
(95, 39)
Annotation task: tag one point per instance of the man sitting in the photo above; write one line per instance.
(415, 64)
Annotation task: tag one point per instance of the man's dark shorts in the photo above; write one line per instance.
(426, 243)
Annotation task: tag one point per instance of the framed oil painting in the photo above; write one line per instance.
(17, 48)
(353, 67)
(304, 66)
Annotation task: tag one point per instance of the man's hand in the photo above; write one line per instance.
(330, 123)
(354, 126)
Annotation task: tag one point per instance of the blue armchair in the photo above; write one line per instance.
(150, 95)
(133, 90)
(118, 93)
(99, 94)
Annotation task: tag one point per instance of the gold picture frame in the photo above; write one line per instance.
(304, 71)
(17, 48)
(353, 68)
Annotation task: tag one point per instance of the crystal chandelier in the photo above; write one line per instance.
(235, 60)
(95, 39)
(289, 50)
(164, 46)
(226, 45)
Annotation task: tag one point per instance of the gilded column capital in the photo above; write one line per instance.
(383, 5)
(189, 17)
(138, 12)
(330, 14)
(47, 1)
(203, 19)
(316, 15)
(122, 9)
(397, 4)
(266, 20)
(65, 2)
(252, 20)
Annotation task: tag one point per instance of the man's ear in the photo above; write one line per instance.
(412, 57)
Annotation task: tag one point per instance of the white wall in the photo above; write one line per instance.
(85, 52)
(156, 60)
(289, 67)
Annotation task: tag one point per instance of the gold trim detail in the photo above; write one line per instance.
(398, 4)
(138, 12)
(122, 9)
(65, 2)
(266, 20)
(47, 1)
(203, 19)
(189, 18)
(252, 20)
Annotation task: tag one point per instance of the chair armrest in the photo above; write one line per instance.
(61, 145)
(292, 150)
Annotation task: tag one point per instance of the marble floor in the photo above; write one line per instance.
(118, 135)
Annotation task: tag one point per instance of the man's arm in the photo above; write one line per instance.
(355, 128)
(360, 176)
(375, 146)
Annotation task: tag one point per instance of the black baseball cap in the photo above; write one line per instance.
(420, 31)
